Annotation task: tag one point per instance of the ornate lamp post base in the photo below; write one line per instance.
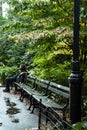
(75, 81)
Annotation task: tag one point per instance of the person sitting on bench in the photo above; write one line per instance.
(20, 78)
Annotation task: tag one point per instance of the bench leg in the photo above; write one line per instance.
(64, 118)
(33, 105)
(47, 115)
(39, 120)
(30, 102)
(22, 96)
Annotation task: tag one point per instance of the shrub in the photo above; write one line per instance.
(6, 71)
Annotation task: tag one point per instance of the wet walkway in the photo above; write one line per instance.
(14, 114)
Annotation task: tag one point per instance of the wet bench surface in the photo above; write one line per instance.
(14, 114)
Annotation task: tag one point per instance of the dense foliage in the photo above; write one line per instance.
(40, 34)
(34, 34)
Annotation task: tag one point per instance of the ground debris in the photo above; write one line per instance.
(1, 123)
(15, 120)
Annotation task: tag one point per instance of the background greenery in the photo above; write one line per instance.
(40, 34)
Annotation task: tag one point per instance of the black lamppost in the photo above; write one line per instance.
(75, 78)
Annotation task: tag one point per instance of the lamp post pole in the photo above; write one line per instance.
(75, 78)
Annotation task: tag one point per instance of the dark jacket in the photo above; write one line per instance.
(21, 77)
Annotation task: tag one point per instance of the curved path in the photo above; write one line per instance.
(14, 114)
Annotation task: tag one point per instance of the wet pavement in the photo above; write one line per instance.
(14, 114)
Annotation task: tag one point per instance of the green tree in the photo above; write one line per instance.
(42, 30)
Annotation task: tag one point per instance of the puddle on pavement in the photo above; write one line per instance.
(9, 103)
(12, 110)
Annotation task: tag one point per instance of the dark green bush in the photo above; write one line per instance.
(6, 71)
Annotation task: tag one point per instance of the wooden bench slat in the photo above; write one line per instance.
(54, 90)
(61, 87)
(48, 102)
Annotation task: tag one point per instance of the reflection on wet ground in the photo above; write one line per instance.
(9, 103)
(12, 109)
(14, 114)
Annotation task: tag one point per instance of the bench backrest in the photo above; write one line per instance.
(55, 91)
(58, 92)
(42, 85)
(38, 84)
(31, 81)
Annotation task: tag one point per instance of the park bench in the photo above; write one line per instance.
(56, 98)
(33, 86)
(45, 95)
(27, 87)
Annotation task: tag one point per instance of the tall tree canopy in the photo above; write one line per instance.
(40, 34)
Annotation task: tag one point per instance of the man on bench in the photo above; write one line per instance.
(20, 78)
